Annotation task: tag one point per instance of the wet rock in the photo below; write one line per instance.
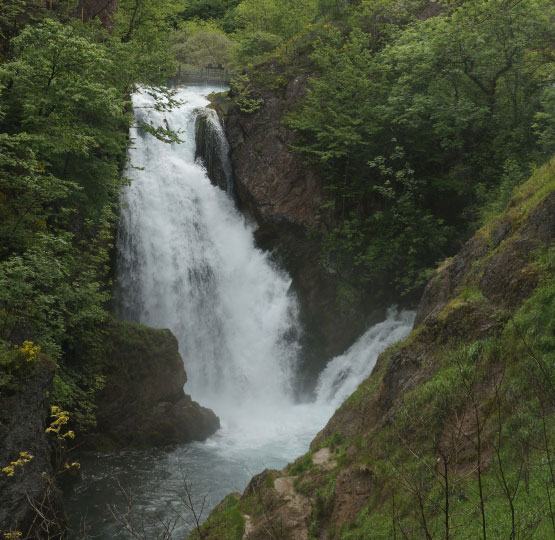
(213, 151)
(28, 493)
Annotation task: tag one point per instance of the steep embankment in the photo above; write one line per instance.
(452, 435)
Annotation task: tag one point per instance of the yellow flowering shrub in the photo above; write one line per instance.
(24, 458)
(15, 363)
(60, 419)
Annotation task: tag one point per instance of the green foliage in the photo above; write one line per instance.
(227, 523)
(202, 48)
(16, 364)
(460, 94)
(253, 45)
(544, 125)
(75, 391)
(284, 18)
(207, 9)
(64, 119)
(301, 465)
(242, 94)
(395, 242)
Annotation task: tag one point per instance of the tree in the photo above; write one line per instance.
(203, 48)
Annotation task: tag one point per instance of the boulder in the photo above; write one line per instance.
(143, 403)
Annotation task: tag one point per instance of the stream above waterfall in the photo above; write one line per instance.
(187, 262)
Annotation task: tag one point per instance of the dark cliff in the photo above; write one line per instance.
(284, 196)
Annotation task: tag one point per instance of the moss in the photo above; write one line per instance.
(269, 481)
(471, 294)
(332, 442)
(347, 296)
(225, 522)
(301, 465)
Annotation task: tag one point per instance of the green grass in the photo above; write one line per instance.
(227, 523)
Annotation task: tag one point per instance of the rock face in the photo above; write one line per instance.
(271, 182)
(143, 403)
(23, 420)
(213, 150)
(470, 301)
(284, 197)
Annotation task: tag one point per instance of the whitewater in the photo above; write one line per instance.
(187, 261)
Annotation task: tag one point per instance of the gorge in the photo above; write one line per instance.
(187, 262)
(316, 303)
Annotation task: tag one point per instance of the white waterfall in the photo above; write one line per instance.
(344, 373)
(187, 261)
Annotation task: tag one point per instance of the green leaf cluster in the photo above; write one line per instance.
(64, 119)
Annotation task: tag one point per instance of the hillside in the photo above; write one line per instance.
(452, 434)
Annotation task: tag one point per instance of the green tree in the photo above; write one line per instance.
(202, 48)
(459, 92)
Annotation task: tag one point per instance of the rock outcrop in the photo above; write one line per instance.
(213, 150)
(29, 502)
(284, 197)
(143, 403)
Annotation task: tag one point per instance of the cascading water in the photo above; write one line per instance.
(187, 262)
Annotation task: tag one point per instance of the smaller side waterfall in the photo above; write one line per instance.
(344, 373)
(212, 149)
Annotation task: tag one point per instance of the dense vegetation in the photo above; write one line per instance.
(419, 124)
(64, 118)
(419, 116)
(422, 118)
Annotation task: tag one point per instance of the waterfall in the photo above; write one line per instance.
(187, 261)
(344, 373)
